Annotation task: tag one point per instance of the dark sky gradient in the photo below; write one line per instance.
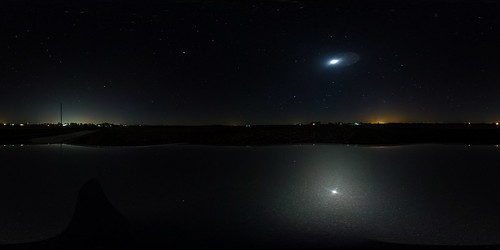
(157, 62)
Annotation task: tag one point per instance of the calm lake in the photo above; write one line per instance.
(425, 194)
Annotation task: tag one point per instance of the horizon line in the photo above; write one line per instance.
(314, 123)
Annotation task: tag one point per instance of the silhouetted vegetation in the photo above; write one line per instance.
(112, 135)
(273, 135)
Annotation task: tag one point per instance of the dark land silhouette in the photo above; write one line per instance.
(369, 134)
(25, 134)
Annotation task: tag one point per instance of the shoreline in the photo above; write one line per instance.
(372, 134)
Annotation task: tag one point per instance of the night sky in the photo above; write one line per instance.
(231, 62)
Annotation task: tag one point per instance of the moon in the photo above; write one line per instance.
(344, 59)
(334, 61)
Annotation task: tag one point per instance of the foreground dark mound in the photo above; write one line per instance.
(95, 225)
(95, 221)
(273, 135)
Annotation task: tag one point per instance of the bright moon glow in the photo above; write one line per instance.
(334, 192)
(334, 61)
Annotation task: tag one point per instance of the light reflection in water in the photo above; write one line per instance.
(410, 194)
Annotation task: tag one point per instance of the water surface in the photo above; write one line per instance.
(426, 194)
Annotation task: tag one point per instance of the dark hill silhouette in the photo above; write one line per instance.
(95, 225)
(95, 221)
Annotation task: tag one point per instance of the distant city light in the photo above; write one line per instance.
(496, 123)
(5, 124)
(21, 124)
(356, 123)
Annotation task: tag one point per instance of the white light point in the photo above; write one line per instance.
(334, 61)
(334, 192)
